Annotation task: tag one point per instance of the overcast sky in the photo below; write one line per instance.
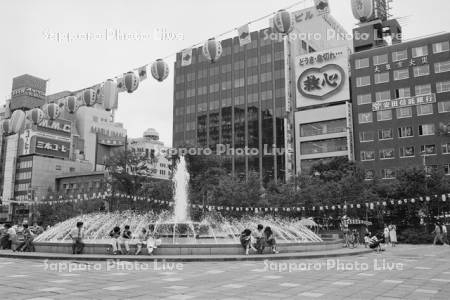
(27, 44)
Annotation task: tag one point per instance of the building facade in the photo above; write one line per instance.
(154, 149)
(242, 102)
(401, 104)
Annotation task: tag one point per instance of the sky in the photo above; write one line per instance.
(29, 44)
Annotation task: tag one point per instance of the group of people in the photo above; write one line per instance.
(390, 235)
(440, 233)
(262, 237)
(119, 239)
(19, 238)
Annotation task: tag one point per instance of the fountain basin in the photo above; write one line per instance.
(231, 248)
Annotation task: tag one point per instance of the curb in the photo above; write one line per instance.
(190, 258)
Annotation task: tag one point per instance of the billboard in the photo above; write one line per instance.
(57, 127)
(51, 147)
(322, 77)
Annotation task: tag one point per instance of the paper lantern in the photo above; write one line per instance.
(363, 10)
(72, 104)
(131, 82)
(110, 94)
(283, 22)
(52, 110)
(160, 70)
(6, 126)
(212, 50)
(36, 115)
(17, 121)
(89, 97)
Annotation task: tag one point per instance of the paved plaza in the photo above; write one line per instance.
(404, 272)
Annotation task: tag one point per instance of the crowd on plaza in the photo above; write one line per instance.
(19, 238)
(257, 241)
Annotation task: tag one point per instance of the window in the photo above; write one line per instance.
(324, 146)
(441, 47)
(58, 168)
(367, 155)
(400, 55)
(365, 117)
(421, 70)
(387, 153)
(426, 109)
(403, 93)
(424, 89)
(442, 87)
(419, 51)
(366, 136)
(405, 132)
(404, 112)
(407, 151)
(369, 175)
(361, 63)
(384, 115)
(321, 128)
(444, 106)
(426, 129)
(428, 149)
(363, 81)
(385, 134)
(383, 96)
(401, 74)
(388, 174)
(442, 67)
(446, 148)
(364, 99)
(382, 77)
(380, 59)
(447, 169)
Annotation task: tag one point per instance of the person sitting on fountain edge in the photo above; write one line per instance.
(115, 242)
(270, 239)
(259, 239)
(126, 237)
(151, 241)
(77, 236)
(246, 240)
(142, 240)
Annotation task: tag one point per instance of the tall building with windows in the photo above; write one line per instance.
(401, 106)
(242, 100)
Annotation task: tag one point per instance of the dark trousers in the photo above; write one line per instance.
(77, 246)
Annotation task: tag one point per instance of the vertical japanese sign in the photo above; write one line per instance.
(350, 144)
(322, 77)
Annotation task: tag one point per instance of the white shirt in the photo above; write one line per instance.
(11, 231)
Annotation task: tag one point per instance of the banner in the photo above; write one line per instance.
(186, 57)
(244, 35)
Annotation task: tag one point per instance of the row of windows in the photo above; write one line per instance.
(88, 185)
(403, 74)
(322, 128)
(403, 152)
(402, 55)
(390, 173)
(402, 132)
(422, 89)
(403, 112)
(23, 176)
(25, 164)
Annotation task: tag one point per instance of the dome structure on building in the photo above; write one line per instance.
(152, 134)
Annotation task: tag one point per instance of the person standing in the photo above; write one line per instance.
(28, 237)
(345, 230)
(12, 237)
(438, 234)
(393, 234)
(77, 236)
(386, 234)
(444, 233)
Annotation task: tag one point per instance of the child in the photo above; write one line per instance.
(115, 235)
(126, 236)
(270, 239)
(246, 240)
(142, 239)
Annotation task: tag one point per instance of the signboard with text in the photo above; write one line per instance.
(59, 127)
(322, 77)
(403, 102)
(51, 147)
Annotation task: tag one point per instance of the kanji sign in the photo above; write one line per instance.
(322, 76)
(404, 102)
(51, 147)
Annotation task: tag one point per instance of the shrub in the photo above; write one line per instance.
(415, 236)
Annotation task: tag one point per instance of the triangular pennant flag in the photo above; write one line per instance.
(322, 7)
(244, 35)
(186, 57)
(142, 72)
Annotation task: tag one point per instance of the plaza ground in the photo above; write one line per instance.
(404, 272)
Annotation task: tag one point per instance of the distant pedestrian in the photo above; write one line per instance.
(393, 235)
(152, 240)
(126, 237)
(444, 233)
(11, 237)
(438, 234)
(27, 244)
(77, 235)
(386, 234)
(345, 230)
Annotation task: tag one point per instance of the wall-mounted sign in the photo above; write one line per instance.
(401, 64)
(59, 126)
(404, 102)
(322, 77)
(28, 92)
(51, 147)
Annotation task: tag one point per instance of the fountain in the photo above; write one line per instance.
(214, 234)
